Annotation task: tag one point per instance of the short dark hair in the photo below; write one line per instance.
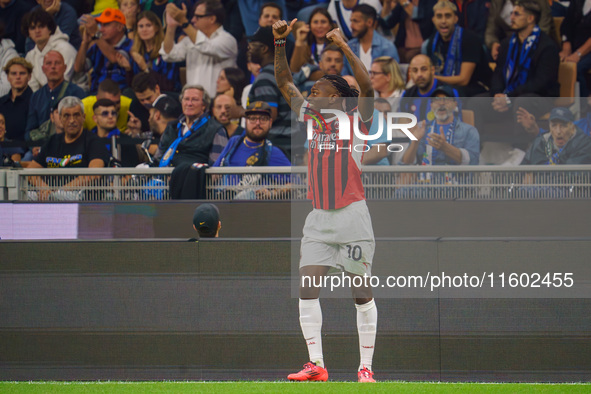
(368, 11)
(332, 48)
(144, 81)
(213, 7)
(103, 103)
(237, 80)
(532, 8)
(37, 17)
(272, 5)
(109, 86)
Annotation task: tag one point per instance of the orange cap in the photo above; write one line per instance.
(111, 15)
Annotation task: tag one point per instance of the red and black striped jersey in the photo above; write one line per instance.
(334, 165)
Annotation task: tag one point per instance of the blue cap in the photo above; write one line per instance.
(563, 114)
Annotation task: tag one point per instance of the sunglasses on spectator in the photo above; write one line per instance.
(197, 16)
(107, 113)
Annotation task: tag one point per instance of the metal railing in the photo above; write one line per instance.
(290, 183)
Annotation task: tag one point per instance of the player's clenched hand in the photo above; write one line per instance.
(281, 29)
(336, 37)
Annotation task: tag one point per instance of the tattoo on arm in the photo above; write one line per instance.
(285, 81)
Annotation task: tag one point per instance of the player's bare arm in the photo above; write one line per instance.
(282, 71)
(359, 72)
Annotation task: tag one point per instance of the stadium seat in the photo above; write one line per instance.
(557, 23)
(468, 116)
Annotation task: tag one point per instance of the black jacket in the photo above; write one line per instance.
(543, 75)
(576, 27)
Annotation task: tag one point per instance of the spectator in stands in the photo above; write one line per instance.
(253, 148)
(231, 82)
(449, 140)
(221, 108)
(387, 80)
(164, 110)
(15, 105)
(473, 15)
(414, 21)
(75, 147)
(500, 24)
(158, 7)
(457, 53)
(53, 91)
(11, 13)
(367, 44)
(40, 27)
(105, 117)
(251, 20)
(565, 143)
(8, 156)
(7, 52)
(65, 18)
(108, 89)
(341, 12)
(527, 67)
(416, 98)
(104, 50)
(130, 10)
(206, 221)
(262, 50)
(576, 41)
(311, 40)
(207, 49)
(191, 138)
(146, 90)
(331, 62)
(148, 38)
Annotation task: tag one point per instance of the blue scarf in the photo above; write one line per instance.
(518, 64)
(179, 127)
(342, 22)
(453, 59)
(431, 153)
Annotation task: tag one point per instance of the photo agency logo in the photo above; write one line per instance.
(342, 130)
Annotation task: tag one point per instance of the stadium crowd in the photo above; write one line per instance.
(480, 76)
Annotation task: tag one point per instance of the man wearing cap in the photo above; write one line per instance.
(206, 221)
(253, 149)
(108, 56)
(164, 110)
(565, 143)
(446, 140)
(207, 47)
(261, 48)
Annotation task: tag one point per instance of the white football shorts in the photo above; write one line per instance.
(339, 238)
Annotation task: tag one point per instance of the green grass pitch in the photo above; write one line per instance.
(287, 387)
